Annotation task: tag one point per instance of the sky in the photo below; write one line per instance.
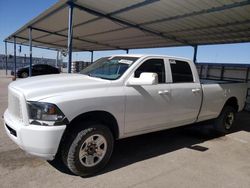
(15, 13)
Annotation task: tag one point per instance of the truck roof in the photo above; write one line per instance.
(150, 55)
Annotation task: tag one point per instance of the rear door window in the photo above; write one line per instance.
(181, 71)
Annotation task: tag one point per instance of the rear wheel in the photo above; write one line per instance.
(24, 75)
(88, 150)
(226, 119)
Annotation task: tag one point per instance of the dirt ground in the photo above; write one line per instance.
(193, 156)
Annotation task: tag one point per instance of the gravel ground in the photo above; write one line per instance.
(193, 156)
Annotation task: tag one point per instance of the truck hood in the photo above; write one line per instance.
(41, 87)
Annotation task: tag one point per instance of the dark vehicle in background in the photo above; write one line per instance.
(37, 69)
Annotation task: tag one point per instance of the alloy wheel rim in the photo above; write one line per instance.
(24, 75)
(93, 150)
(229, 120)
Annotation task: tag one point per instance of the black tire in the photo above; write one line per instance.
(79, 139)
(226, 119)
(24, 75)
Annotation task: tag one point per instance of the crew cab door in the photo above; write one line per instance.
(147, 107)
(186, 92)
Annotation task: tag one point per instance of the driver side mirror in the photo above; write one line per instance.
(146, 78)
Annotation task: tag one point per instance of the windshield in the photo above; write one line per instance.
(110, 68)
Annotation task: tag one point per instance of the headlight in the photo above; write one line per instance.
(45, 114)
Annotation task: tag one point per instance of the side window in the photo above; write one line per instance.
(37, 67)
(47, 67)
(44, 66)
(181, 71)
(155, 66)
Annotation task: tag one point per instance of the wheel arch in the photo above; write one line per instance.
(233, 102)
(104, 117)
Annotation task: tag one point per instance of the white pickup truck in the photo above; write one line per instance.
(78, 116)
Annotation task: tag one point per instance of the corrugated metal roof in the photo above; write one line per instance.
(126, 24)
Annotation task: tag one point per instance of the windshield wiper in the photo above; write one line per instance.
(91, 75)
(94, 76)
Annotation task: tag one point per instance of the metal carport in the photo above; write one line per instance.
(87, 25)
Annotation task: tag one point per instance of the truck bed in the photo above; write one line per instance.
(216, 93)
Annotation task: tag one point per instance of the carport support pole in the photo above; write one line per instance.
(195, 54)
(14, 57)
(57, 57)
(92, 56)
(30, 44)
(6, 59)
(70, 35)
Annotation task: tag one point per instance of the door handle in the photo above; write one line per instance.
(160, 92)
(196, 90)
(165, 92)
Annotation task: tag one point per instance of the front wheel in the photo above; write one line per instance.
(226, 119)
(88, 150)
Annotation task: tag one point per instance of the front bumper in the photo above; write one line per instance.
(41, 141)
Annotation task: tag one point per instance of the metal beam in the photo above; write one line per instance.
(191, 36)
(6, 59)
(40, 42)
(46, 48)
(182, 30)
(77, 38)
(130, 7)
(214, 9)
(14, 58)
(30, 44)
(70, 36)
(195, 54)
(104, 32)
(197, 13)
(57, 58)
(92, 56)
(241, 40)
(110, 17)
(65, 29)
(236, 23)
(134, 6)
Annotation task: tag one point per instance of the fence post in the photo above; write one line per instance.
(195, 54)
(70, 36)
(6, 59)
(14, 57)
(207, 70)
(201, 67)
(222, 72)
(247, 74)
(30, 45)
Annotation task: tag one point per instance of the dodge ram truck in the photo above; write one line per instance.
(77, 117)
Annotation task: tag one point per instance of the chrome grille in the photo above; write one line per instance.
(14, 105)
